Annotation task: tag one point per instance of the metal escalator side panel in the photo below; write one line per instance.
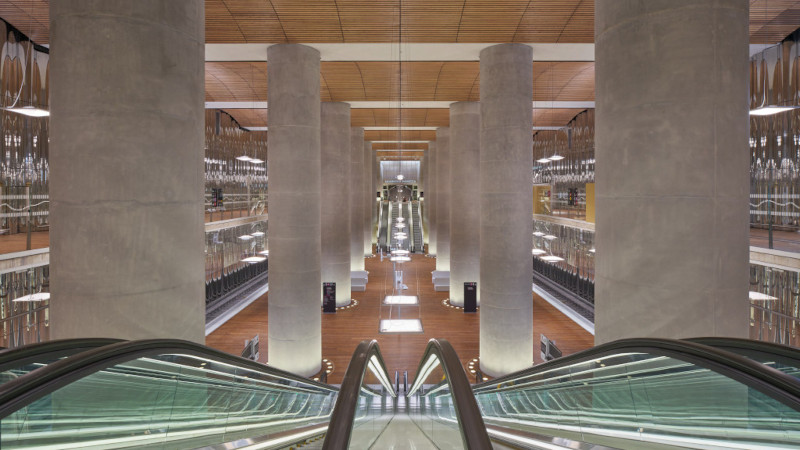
(19, 361)
(350, 406)
(655, 391)
(780, 357)
(156, 392)
(439, 353)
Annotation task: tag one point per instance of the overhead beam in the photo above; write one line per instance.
(410, 129)
(402, 105)
(410, 52)
(406, 52)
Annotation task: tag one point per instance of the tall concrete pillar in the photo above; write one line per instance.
(430, 199)
(335, 196)
(367, 198)
(423, 188)
(294, 209)
(672, 168)
(506, 208)
(356, 199)
(126, 188)
(376, 175)
(465, 218)
(443, 199)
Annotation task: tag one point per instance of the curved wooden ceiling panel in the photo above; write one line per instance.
(319, 21)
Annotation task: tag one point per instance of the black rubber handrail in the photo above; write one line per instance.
(470, 420)
(48, 351)
(340, 428)
(30, 387)
(736, 345)
(769, 381)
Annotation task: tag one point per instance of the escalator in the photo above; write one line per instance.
(383, 230)
(638, 393)
(416, 227)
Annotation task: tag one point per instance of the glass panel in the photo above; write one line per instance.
(432, 409)
(24, 321)
(374, 412)
(178, 400)
(641, 397)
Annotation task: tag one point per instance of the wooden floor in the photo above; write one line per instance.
(788, 241)
(345, 329)
(10, 243)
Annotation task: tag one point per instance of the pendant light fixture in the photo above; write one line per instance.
(29, 110)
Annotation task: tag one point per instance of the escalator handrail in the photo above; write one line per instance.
(34, 385)
(344, 411)
(20, 356)
(771, 348)
(470, 420)
(769, 381)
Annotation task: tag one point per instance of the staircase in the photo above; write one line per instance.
(417, 227)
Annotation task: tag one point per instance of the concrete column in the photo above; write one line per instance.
(672, 169)
(335, 195)
(376, 175)
(356, 199)
(423, 167)
(126, 187)
(506, 208)
(465, 218)
(430, 199)
(294, 209)
(443, 199)
(368, 198)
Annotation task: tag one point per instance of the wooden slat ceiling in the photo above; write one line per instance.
(378, 81)
(405, 135)
(420, 117)
(318, 21)
(441, 21)
(403, 146)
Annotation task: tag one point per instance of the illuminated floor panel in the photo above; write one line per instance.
(401, 326)
(401, 300)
